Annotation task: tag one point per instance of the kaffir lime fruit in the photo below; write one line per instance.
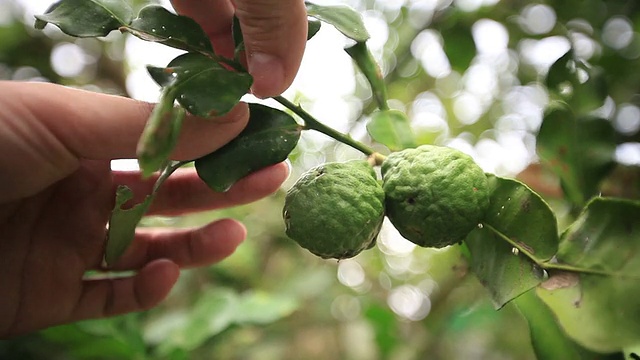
(434, 195)
(335, 210)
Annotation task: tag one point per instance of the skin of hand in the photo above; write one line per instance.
(57, 188)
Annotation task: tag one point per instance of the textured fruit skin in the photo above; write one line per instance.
(434, 195)
(335, 210)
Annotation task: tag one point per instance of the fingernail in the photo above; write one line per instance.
(268, 75)
(289, 168)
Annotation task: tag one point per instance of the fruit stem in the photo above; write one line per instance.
(166, 172)
(313, 124)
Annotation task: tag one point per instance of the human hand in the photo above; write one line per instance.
(57, 191)
(275, 35)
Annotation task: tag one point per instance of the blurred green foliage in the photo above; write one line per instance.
(469, 74)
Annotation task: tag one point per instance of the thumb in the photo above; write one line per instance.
(275, 34)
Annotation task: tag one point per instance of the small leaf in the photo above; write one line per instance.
(518, 219)
(163, 76)
(155, 23)
(369, 67)
(160, 135)
(87, 18)
(201, 85)
(236, 33)
(549, 341)
(313, 28)
(268, 139)
(598, 303)
(122, 224)
(579, 150)
(392, 129)
(582, 86)
(345, 19)
(559, 72)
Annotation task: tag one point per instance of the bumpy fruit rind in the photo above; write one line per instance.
(434, 195)
(335, 210)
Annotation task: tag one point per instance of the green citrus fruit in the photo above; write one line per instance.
(434, 195)
(335, 210)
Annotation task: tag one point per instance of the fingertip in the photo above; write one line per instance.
(155, 281)
(268, 75)
(222, 238)
(275, 36)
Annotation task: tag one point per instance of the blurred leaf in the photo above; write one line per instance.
(160, 135)
(259, 307)
(211, 314)
(582, 86)
(518, 219)
(385, 326)
(87, 18)
(578, 149)
(345, 19)
(459, 47)
(155, 23)
(201, 85)
(313, 28)
(632, 353)
(549, 341)
(215, 311)
(268, 139)
(598, 304)
(122, 224)
(99, 339)
(369, 67)
(392, 129)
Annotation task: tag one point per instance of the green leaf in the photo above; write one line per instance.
(345, 19)
(385, 325)
(259, 307)
(215, 311)
(268, 139)
(160, 135)
(518, 226)
(369, 67)
(632, 352)
(560, 71)
(155, 23)
(579, 149)
(459, 47)
(212, 313)
(122, 224)
(549, 340)
(201, 85)
(313, 28)
(391, 128)
(87, 18)
(598, 301)
(236, 33)
(582, 86)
